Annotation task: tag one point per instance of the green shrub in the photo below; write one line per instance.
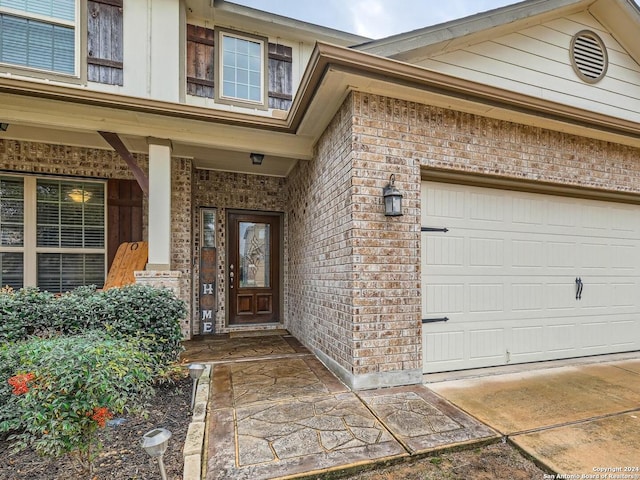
(56, 392)
(153, 313)
(130, 311)
(23, 312)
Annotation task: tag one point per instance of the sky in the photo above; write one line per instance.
(376, 18)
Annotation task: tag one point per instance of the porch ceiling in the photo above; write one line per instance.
(212, 147)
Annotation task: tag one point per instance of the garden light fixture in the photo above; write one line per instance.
(155, 443)
(195, 372)
(392, 199)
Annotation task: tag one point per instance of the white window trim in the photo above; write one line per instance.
(30, 266)
(219, 73)
(79, 26)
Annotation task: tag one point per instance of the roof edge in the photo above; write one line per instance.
(315, 30)
(373, 66)
(448, 31)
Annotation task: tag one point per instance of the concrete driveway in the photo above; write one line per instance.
(576, 420)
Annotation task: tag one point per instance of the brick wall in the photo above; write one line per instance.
(41, 158)
(321, 276)
(463, 142)
(354, 273)
(387, 317)
(223, 191)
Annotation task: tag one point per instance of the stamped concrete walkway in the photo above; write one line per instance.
(276, 412)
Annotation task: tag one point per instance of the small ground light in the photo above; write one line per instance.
(155, 443)
(195, 372)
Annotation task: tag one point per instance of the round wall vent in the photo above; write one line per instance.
(589, 56)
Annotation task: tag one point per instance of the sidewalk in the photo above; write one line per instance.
(276, 412)
(576, 420)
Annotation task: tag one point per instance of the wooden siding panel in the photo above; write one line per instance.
(104, 42)
(536, 62)
(280, 76)
(200, 61)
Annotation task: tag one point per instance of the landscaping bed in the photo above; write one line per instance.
(121, 456)
(83, 376)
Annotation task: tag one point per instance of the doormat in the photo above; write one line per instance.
(259, 333)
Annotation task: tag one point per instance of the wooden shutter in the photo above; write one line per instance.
(124, 214)
(280, 89)
(200, 54)
(104, 41)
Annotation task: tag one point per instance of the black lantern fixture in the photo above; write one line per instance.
(256, 158)
(392, 199)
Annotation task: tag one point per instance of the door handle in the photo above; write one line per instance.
(579, 287)
(231, 276)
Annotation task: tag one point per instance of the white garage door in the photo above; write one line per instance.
(504, 277)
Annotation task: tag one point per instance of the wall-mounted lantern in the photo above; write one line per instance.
(392, 199)
(256, 158)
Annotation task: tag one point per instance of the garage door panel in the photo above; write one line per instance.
(443, 298)
(561, 296)
(505, 277)
(596, 217)
(526, 341)
(561, 254)
(486, 252)
(527, 296)
(528, 211)
(624, 334)
(561, 338)
(442, 203)
(444, 347)
(485, 297)
(527, 253)
(487, 344)
(595, 335)
(443, 250)
(624, 295)
(596, 296)
(596, 257)
(487, 207)
(624, 257)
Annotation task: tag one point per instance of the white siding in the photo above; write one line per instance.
(536, 62)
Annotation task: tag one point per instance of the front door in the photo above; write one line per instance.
(254, 268)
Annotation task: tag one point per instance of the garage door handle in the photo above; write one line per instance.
(579, 287)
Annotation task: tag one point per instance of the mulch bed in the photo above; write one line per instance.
(121, 457)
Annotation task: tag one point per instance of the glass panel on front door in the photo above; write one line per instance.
(254, 255)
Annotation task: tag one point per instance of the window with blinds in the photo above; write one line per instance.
(62, 244)
(39, 34)
(70, 219)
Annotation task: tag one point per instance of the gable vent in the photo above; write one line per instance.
(589, 56)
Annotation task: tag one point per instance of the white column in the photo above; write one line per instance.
(159, 232)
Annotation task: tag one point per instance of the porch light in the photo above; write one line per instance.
(195, 372)
(392, 199)
(3, 126)
(155, 443)
(256, 158)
